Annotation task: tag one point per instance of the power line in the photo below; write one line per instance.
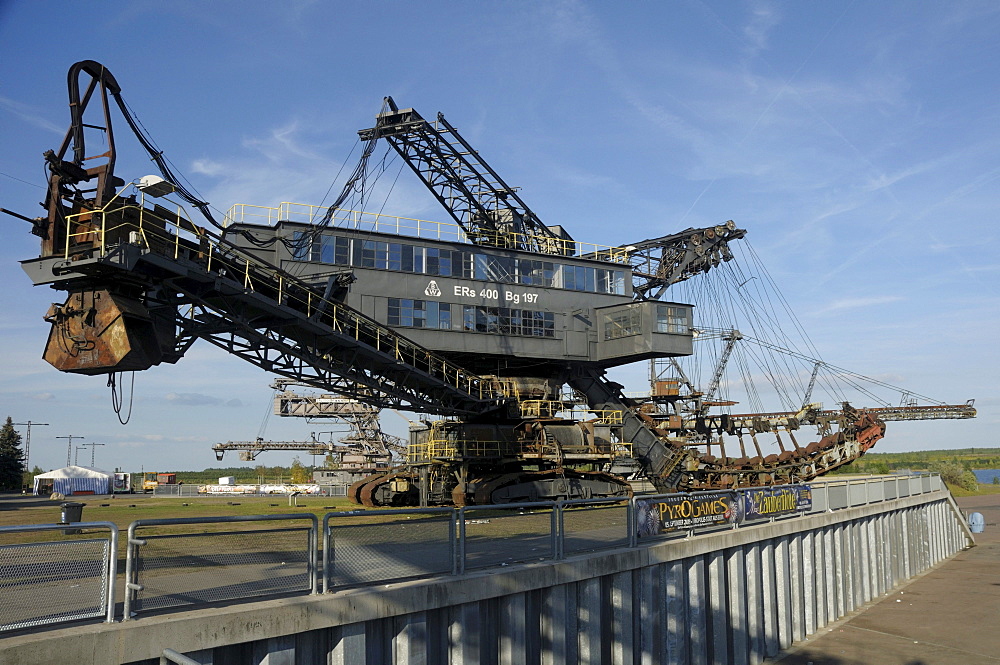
(33, 184)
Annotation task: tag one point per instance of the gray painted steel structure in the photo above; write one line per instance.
(579, 316)
(732, 596)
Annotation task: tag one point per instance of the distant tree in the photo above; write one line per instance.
(957, 475)
(29, 476)
(300, 474)
(951, 472)
(969, 482)
(996, 480)
(11, 457)
(880, 467)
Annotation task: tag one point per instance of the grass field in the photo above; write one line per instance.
(983, 490)
(371, 543)
(124, 509)
(968, 458)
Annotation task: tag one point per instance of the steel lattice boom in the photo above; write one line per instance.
(476, 197)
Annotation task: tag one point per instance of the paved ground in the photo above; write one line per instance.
(948, 616)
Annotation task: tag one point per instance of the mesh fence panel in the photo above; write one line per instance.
(43, 583)
(401, 548)
(214, 566)
(175, 490)
(495, 537)
(590, 528)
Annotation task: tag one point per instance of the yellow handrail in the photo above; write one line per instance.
(243, 213)
(158, 233)
(451, 449)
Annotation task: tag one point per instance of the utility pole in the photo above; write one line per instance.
(27, 443)
(76, 455)
(69, 447)
(93, 449)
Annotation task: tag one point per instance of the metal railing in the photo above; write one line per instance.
(362, 547)
(847, 493)
(104, 233)
(513, 534)
(580, 532)
(445, 448)
(58, 580)
(175, 490)
(174, 565)
(185, 562)
(169, 656)
(408, 226)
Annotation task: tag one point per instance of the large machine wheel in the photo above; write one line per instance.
(459, 496)
(550, 486)
(395, 489)
(354, 491)
(789, 466)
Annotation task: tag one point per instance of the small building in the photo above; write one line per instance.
(73, 480)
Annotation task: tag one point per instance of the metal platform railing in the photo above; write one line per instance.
(302, 213)
(106, 233)
(176, 564)
(54, 581)
(196, 561)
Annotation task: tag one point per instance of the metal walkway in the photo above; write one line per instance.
(947, 616)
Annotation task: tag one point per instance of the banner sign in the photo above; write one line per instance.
(672, 513)
(122, 482)
(772, 502)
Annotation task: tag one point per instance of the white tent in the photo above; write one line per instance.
(75, 480)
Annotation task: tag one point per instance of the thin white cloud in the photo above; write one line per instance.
(959, 243)
(979, 269)
(284, 166)
(883, 180)
(133, 439)
(281, 145)
(30, 115)
(764, 17)
(857, 303)
(198, 399)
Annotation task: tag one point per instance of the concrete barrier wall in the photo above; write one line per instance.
(736, 596)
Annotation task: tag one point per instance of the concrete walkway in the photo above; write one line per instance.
(948, 616)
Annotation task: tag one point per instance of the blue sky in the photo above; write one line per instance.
(856, 142)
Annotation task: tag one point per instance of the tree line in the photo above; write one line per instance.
(955, 465)
(11, 457)
(14, 475)
(297, 473)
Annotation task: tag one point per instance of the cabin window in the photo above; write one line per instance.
(622, 323)
(672, 319)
